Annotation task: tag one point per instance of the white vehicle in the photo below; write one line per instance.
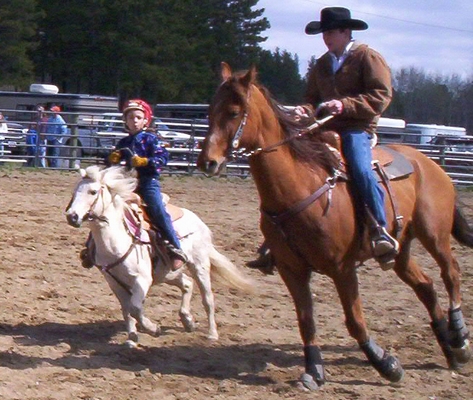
(426, 134)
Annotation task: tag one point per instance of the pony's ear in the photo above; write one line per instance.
(225, 71)
(250, 76)
(83, 173)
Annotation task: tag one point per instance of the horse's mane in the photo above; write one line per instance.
(310, 148)
(116, 178)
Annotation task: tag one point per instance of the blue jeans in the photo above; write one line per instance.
(53, 152)
(357, 152)
(150, 191)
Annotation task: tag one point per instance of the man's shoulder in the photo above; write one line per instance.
(363, 48)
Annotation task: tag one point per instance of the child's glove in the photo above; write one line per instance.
(137, 161)
(114, 157)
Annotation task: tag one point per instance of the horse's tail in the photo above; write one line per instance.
(229, 273)
(461, 230)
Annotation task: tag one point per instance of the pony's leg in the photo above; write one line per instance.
(346, 283)
(452, 336)
(124, 299)
(139, 292)
(201, 274)
(298, 284)
(183, 282)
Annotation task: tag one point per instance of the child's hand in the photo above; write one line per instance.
(114, 157)
(137, 161)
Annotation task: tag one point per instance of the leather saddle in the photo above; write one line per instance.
(137, 221)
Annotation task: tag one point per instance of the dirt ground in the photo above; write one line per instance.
(62, 334)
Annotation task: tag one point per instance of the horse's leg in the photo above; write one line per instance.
(183, 282)
(452, 335)
(346, 283)
(201, 274)
(298, 284)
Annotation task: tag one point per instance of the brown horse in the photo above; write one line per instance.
(309, 219)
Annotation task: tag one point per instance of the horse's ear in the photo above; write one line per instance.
(250, 77)
(83, 173)
(225, 71)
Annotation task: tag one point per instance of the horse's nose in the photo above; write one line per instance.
(209, 167)
(73, 219)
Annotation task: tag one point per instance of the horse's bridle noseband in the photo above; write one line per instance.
(91, 215)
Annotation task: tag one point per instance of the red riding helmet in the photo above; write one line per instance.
(137, 104)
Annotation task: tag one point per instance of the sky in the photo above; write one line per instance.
(433, 35)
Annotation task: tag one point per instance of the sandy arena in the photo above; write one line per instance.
(62, 333)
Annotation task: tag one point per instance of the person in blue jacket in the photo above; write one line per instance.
(143, 150)
(56, 128)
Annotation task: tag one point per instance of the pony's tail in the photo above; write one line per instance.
(461, 230)
(229, 273)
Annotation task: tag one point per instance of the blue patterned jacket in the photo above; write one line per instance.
(144, 144)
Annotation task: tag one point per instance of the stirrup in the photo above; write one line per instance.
(385, 248)
(177, 254)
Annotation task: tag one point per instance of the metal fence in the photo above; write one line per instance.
(91, 140)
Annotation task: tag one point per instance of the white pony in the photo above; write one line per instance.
(128, 261)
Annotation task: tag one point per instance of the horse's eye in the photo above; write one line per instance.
(93, 192)
(234, 114)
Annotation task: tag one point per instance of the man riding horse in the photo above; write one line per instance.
(352, 82)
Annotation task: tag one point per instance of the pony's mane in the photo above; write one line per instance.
(311, 149)
(117, 179)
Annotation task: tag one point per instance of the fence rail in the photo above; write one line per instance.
(89, 144)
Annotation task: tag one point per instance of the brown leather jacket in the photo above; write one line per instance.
(362, 84)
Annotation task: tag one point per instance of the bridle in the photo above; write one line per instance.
(235, 151)
(91, 215)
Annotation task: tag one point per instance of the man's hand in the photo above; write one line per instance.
(137, 161)
(114, 157)
(333, 107)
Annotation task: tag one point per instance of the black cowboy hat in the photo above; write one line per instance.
(335, 18)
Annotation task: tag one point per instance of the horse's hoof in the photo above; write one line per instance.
(130, 344)
(213, 336)
(309, 382)
(391, 369)
(462, 354)
(157, 332)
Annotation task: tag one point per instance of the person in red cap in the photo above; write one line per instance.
(142, 150)
(55, 129)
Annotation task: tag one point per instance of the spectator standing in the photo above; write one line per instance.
(36, 139)
(56, 128)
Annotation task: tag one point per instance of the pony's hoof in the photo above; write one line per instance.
(130, 344)
(187, 322)
(308, 382)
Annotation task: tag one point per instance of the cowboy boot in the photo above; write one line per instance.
(264, 263)
(178, 257)
(385, 248)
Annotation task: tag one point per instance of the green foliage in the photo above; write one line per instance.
(432, 99)
(18, 38)
(278, 71)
